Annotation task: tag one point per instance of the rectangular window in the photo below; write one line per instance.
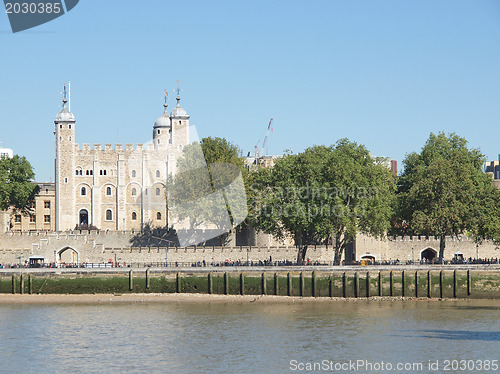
(46, 218)
(32, 218)
(46, 204)
(18, 218)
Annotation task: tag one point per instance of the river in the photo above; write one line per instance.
(245, 337)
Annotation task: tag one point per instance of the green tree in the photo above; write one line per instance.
(17, 189)
(444, 192)
(204, 184)
(324, 193)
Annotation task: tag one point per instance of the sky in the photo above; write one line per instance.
(383, 73)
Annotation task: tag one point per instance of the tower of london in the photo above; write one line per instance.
(115, 187)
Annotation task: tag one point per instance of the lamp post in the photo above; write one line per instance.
(412, 258)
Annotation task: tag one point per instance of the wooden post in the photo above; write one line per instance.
(380, 283)
(403, 283)
(455, 283)
(263, 283)
(13, 284)
(178, 282)
(468, 282)
(30, 284)
(276, 289)
(367, 284)
(289, 288)
(441, 284)
(130, 281)
(330, 286)
(242, 284)
(210, 284)
(429, 284)
(313, 284)
(301, 289)
(416, 283)
(21, 284)
(391, 289)
(226, 284)
(344, 288)
(356, 284)
(147, 279)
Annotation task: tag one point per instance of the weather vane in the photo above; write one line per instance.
(178, 90)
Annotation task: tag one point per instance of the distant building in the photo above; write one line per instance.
(262, 161)
(6, 153)
(42, 215)
(493, 168)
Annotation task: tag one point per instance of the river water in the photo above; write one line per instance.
(259, 337)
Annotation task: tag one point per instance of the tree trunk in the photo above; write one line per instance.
(442, 244)
(301, 254)
(338, 250)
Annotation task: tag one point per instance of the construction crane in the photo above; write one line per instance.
(259, 153)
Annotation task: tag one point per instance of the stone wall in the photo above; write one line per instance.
(124, 246)
(411, 248)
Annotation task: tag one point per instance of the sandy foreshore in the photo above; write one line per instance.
(178, 298)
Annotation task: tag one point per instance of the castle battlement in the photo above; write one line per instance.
(428, 239)
(139, 147)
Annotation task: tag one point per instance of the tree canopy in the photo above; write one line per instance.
(444, 192)
(324, 193)
(17, 189)
(208, 188)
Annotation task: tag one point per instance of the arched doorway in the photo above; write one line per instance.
(68, 255)
(428, 254)
(368, 259)
(84, 217)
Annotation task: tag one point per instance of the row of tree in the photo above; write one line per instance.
(326, 194)
(329, 194)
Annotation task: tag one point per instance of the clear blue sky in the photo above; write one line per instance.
(381, 73)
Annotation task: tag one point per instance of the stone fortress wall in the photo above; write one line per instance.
(125, 246)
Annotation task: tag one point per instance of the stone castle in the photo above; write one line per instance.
(115, 188)
(120, 190)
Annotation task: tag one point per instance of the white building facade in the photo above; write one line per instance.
(115, 187)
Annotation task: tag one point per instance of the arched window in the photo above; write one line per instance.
(134, 216)
(134, 192)
(84, 191)
(133, 173)
(157, 192)
(108, 191)
(158, 216)
(109, 215)
(157, 174)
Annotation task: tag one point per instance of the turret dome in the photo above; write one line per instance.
(178, 110)
(65, 115)
(164, 120)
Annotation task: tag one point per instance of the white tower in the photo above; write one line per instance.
(64, 166)
(180, 125)
(162, 130)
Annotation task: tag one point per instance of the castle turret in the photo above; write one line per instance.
(162, 130)
(180, 124)
(64, 166)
